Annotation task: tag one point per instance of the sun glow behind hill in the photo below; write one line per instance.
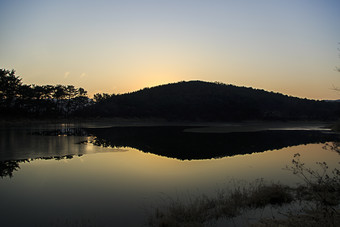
(122, 46)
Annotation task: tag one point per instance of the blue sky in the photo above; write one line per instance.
(288, 46)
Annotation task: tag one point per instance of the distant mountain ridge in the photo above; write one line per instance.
(207, 101)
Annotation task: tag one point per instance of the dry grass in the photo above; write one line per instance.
(204, 210)
(308, 218)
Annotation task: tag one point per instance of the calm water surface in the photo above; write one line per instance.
(107, 186)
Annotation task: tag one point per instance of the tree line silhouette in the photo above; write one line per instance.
(182, 101)
(30, 100)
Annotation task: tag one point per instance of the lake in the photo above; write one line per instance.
(101, 175)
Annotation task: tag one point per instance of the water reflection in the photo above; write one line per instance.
(179, 142)
(21, 143)
(174, 142)
(335, 146)
(8, 167)
(109, 188)
(62, 132)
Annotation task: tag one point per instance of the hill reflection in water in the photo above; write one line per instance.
(173, 142)
(179, 143)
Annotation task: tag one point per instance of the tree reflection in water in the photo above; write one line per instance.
(173, 142)
(7, 168)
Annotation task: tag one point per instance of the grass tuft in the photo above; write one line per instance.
(226, 204)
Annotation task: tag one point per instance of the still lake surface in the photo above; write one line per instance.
(119, 175)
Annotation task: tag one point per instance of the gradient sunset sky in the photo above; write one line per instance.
(287, 46)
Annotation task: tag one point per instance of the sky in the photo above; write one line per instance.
(286, 46)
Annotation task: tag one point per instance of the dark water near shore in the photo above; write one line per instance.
(120, 175)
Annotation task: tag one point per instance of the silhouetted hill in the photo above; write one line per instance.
(205, 101)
